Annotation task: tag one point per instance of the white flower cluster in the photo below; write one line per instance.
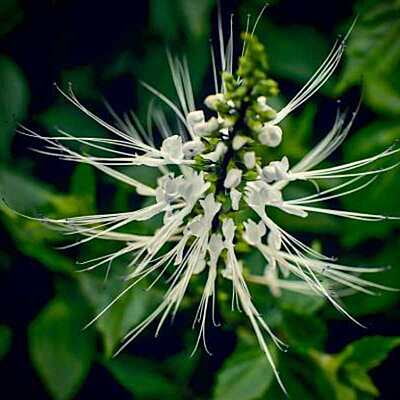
(219, 166)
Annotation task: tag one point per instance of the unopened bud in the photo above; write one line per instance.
(212, 101)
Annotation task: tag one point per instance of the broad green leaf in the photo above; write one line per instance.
(164, 18)
(124, 314)
(347, 371)
(304, 331)
(181, 366)
(329, 365)
(300, 303)
(171, 18)
(360, 304)
(298, 133)
(382, 93)
(5, 340)
(360, 379)
(197, 16)
(82, 80)
(298, 59)
(143, 378)
(83, 182)
(369, 352)
(60, 351)
(246, 375)
(69, 118)
(373, 55)
(371, 140)
(83, 186)
(22, 193)
(301, 380)
(47, 256)
(14, 98)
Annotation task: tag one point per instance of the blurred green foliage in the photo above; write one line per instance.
(63, 354)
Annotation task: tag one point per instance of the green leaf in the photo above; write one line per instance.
(300, 303)
(142, 378)
(360, 379)
(23, 193)
(370, 351)
(373, 55)
(171, 18)
(300, 378)
(350, 366)
(359, 304)
(83, 185)
(246, 375)
(181, 366)
(60, 351)
(304, 331)
(371, 140)
(50, 258)
(298, 59)
(14, 98)
(197, 16)
(70, 119)
(124, 314)
(5, 340)
(82, 80)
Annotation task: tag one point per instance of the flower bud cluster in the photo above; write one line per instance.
(229, 146)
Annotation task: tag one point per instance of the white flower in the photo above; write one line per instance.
(192, 148)
(249, 159)
(198, 235)
(270, 135)
(254, 232)
(239, 141)
(233, 178)
(235, 196)
(195, 117)
(276, 171)
(217, 154)
(172, 149)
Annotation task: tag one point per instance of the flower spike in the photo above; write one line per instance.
(213, 173)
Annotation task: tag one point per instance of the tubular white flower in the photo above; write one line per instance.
(235, 196)
(276, 171)
(192, 148)
(239, 141)
(233, 178)
(217, 154)
(270, 135)
(195, 117)
(249, 159)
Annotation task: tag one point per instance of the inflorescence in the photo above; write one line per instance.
(217, 188)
